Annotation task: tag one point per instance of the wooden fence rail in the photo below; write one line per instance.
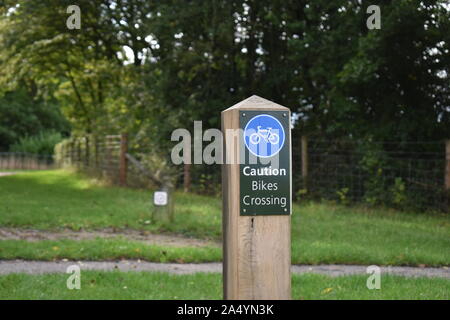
(104, 155)
(25, 161)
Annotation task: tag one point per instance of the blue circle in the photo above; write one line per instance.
(264, 136)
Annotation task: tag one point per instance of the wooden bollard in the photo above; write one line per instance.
(123, 164)
(163, 210)
(256, 191)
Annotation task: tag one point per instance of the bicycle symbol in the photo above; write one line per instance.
(265, 134)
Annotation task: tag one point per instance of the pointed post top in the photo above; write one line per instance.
(256, 102)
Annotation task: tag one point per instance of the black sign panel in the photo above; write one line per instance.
(265, 164)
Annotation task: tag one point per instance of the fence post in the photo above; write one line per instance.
(187, 177)
(78, 152)
(447, 172)
(256, 237)
(96, 153)
(69, 152)
(62, 154)
(108, 142)
(164, 213)
(304, 141)
(86, 145)
(123, 159)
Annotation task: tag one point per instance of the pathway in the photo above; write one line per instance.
(39, 267)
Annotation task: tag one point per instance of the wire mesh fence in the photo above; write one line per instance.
(409, 175)
(404, 175)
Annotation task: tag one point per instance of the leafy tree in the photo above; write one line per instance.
(42, 143)
(188, 60)
(397, 80)
(21, 116)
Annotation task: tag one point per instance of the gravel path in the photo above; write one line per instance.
(2, 174)
(39, 267)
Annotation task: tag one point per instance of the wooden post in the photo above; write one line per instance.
(187, 177)
(447, 172)
(72, 152)
(87, 155)
(79, 153)
(96, 153)
(71, 144)
(305, 161)
(60, 160)
(123, 159)
(164, 213)
(256, 248)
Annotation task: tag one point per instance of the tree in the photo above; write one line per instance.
(150, 66)
(23, 116)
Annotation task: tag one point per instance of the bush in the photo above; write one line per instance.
(23, 115)
(42, 143)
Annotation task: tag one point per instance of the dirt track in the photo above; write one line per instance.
(136, 235)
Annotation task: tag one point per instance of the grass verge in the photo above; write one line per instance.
(321, 233)
(104, 249)
(147, 285)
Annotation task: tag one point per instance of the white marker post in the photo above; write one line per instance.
(256, 200)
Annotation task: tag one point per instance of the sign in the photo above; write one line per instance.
(265, 168)
(160, 198)
(256, 200)
(264, 135)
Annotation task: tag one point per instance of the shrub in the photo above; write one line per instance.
(42, 143)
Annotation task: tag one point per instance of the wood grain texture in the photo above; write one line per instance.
(256, 249)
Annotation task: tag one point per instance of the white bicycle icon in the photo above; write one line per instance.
(265, 134)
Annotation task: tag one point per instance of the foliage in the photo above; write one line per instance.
(22, 116)
(398, 192)
(190, 60)
(42, 143)
(149, 67)
(343, 198)
(373, 163)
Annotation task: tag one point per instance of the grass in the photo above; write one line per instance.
(104, 249)
(147, 285)
(61, 199)
(321, 233)
(325, 233)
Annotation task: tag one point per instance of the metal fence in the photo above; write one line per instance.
(25, 161)
(404, 175)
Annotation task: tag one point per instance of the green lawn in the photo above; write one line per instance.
(104, 249)
(146, 285)
(321, 233)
